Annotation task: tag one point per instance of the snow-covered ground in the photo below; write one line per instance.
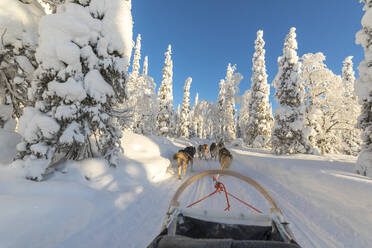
(87, 204)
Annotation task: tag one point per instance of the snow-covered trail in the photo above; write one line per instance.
(325, 202)
(92, 205)
(326, 205)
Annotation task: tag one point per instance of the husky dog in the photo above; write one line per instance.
(213, 149)
(190, 150)
(220, 145)
(184, 158)
(203, 151)
(225, 158)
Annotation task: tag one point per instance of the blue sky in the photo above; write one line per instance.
(206, 35)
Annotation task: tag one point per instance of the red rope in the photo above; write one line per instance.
(245, 203)
(202, 199)
(221, 187)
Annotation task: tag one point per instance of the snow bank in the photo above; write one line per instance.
(8, 143)
(156, 157)
(364, 164)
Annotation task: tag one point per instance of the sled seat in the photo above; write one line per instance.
(185, 242)
(228, 217)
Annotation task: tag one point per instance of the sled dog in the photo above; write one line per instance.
(203, 151)
(225, 158)
(213, 149)
(184, 158)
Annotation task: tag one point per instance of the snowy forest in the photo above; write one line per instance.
(71, 93)
(74, 81)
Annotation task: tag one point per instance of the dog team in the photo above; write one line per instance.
(185, 156)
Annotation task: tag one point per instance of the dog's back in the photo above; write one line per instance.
(225, 158)
(190, 150)
(213, 150)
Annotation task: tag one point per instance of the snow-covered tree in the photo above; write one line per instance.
(244, 114)
(350, 135)
(232, 81)
(323, 109)
(289, 134)
(166, 115)
(220, 117)
(260, 122)
(19, 22)
(204, 112)
(184, 124)
(363, 89)
(146, 107)
(134, 91)
(193, 123)
(83, 56)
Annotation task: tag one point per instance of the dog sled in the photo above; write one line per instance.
(199, 228)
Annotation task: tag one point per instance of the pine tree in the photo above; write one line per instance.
(244, 115)
(230, 121)
(166, 116)
(350, 135)
(260, 119)
(363, 90)
(325, 116)
(220, 122)
(185, 112)
(76, 86)
(19, 39)
(193, 124)
(289, 134)
(134, 91)
(232, 81)
(146, 107)
(145, 66)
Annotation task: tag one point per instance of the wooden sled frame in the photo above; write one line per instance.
(257, 186)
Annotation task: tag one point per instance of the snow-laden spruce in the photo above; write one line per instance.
(203, 114)
(193, 124)
(184, 123)
(166, 115)
(363, 89)
(260, 120)
(220, 117)
(325, 114)
(83, 56)
(350, 135)
(226, 103)
(243, 115)
(18, 30)
(289, 134)
(147, 105)
(134, 92)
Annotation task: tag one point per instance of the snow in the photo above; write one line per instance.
(33, 122)
(65, 34)
(8, 142)
(69, 90)
(96, 86)
(19, 22)
(89, 204)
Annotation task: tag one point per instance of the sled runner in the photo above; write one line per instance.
(199, 228)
